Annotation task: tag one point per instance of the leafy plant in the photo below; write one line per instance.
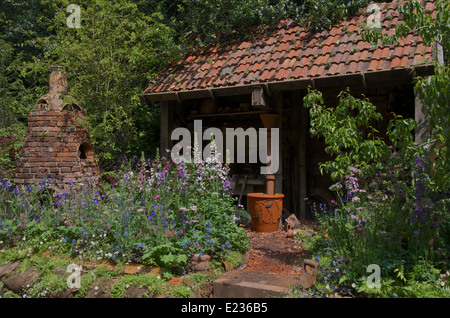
(159, 214)
(153, 283)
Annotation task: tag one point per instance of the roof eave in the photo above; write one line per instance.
(356, 80)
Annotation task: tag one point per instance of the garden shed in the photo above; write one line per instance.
(270, 72)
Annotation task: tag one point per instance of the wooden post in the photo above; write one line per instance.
(300, 132)
(279, 174)
(166, 127)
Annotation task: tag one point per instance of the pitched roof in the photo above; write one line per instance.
(292, 53)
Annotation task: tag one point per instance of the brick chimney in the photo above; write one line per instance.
(57, 144)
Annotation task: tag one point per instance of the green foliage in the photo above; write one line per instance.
(12, 87)
(109, 60)
(348, 133)
(394, 212)
(202, 22)
(154, 284)
(14, 107)
(86, 282)
(166, 256)
(391, 212)
(160, 214)
(324, 14)
(434, 90)
(11, 141)
(119, 47)
(235, 258)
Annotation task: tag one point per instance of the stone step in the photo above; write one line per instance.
(243, 284)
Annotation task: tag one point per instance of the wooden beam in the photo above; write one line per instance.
(301, 130)
(279, 174)
(377, 78)
(300, 120)
(165, 127)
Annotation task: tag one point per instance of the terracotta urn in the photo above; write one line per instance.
(265, 211)
(269, 120)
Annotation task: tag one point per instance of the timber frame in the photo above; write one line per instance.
(298, 176)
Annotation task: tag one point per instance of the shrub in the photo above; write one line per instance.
(159, 214)
(389, 211)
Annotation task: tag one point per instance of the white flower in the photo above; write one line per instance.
(353, 285)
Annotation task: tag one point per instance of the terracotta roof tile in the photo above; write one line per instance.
(282, 74)
(267, 75)
(333, 69)
(291, 52)
(373, 65)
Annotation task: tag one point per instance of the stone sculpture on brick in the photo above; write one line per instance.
(57, 145)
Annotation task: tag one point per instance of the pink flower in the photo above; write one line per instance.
(156, 197)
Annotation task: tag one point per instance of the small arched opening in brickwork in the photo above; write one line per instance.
(42, 104)
(85, 151)
(72, 107)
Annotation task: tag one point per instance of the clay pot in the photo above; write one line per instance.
(245, 107)
(208, 106)
(269, 120)
(265, 211)
(228, 266)
(289, 232)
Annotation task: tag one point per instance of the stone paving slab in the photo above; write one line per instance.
(242, 284)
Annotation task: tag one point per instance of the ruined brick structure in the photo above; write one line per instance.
(57, 144)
